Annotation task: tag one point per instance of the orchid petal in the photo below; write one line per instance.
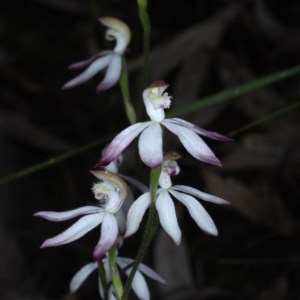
(197, 212)
(112, 74)
(139, 285)
(121, 220)
(196, 193)
(136, 213)
(193, 143)
(143, 268)
(81, 276)
(120, 142)
(91, 71)
(150, 145)
(109, 234)
(210, 134)
(66, 215)
(139, 185)
(76, 231)
(86, 62)
(167, 216)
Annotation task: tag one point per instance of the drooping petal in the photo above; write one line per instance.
(143, 268)
(76, 231)
(120, 142)
(210, 134)
(150, 145)
(112, 74)
(197, 212)
(91, 71)
(66, 215)
(196, 193)
(193, 144)
(81, 276)
(167, 216)
(139, 285)
(109, 234)
(136, 213)
(86, 62)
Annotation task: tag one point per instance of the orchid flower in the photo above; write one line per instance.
(139, 284)
(166, 208)
(150, 141)
(112, 60)
(110, 194)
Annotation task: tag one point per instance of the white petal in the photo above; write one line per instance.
(167, 216)
(121, 220)
(136, 183)
(112, 74)
(76, 231)
(197, 212)
(66, 215)
(120, 142)
(196, 193)
(91, 71)
(109, 234)
(210, 134)
(193, 143)
(139, 285)
(150, 145)
(81, 276)
(136, 213)
(143, 268)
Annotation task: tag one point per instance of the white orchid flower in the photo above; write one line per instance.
(110, 194)
(150, 141)
(166, 208)
(112, 60)
(139, 284)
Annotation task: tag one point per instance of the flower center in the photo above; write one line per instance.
(159, 99)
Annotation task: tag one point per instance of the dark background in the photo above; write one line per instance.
(199, 48)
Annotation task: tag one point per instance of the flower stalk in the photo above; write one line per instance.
(148, 233)
(102, 278)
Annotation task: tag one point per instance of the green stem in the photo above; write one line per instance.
(149, 232)
(51, 161)
(102, 276)
(130, 112)
(267, 118)
(114, 273)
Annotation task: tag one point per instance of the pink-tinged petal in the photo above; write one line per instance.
(196, 193)
(150, 145)
(167, 216)
(210, 134)
(66, 215)
(143, 268)
(86, 62)
(109, 234)
(136, 213)
(193, 144)
(120, 142)
(81, 276)
(76, 231)
(91, 71)
(197, 212)
(139, 285)
(112, 74)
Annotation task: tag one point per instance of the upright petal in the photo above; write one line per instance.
(86, 62)
(150, 145)
(210, 134)
(66, 215)
(112, 74)
(193, 143)
(109, 234)
(136, 213)
(81, 276)
(167, 216)
(120, 142)
(76, 231)
(197, 212)
(91, 71)
(196, 193)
